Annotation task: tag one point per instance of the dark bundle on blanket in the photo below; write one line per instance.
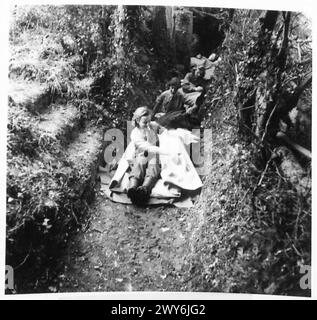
(179, 119)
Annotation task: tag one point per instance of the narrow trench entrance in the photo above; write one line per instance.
(207, 34)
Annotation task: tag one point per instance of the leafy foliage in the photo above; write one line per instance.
(44, 192)
(257, 229)
(47, 194)
(41, 205)
(118, 82)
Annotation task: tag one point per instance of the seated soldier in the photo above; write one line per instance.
(211, 64)
(196, 83)
(194, 88)
(191, 95)
(199, 60)
(190, 76)
(170, 100)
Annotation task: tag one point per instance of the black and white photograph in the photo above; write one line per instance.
(155, 148)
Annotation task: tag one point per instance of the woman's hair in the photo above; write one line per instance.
(138, 113)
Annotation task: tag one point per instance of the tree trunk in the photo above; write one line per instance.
(163, 40)
(120, 34)
(268, 20)
(183, 36)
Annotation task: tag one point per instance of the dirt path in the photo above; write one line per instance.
(125, 248)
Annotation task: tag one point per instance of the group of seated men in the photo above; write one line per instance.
(180, 105)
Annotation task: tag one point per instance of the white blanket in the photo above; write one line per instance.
(178, 173)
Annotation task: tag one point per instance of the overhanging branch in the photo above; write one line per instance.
(293, 145)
